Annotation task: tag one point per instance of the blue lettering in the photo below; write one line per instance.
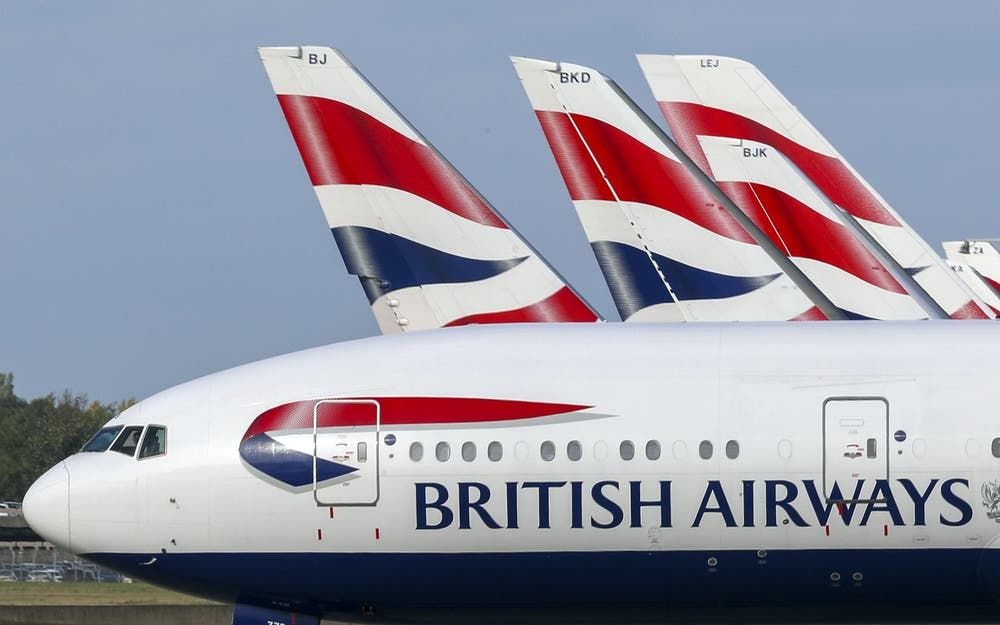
(511, 505)
(447, 516)
(466, 505)
(635, 509)
(543, 500)
(919, 499)
(823, 510)
(617, 515)
(957, 502)
(882, 488)
(748, 503)
(772, 503)
(715, 491)
(576, 502)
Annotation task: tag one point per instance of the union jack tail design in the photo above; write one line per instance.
(731, 120)
(667, 250)
(977, 263)
(428, 249)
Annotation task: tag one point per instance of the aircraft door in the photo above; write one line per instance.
(345, 452)
(855, 444)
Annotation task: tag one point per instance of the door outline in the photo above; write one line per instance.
(885, 444)
(378, 424)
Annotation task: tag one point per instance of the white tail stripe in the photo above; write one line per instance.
(602, 104)
(673, 236)
(335, 79)
(726, 157)
(517, 288)
(855, 295)
(398, 212)
(733, 85)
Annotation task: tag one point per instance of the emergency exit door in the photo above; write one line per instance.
(345, 452)
(855, 446)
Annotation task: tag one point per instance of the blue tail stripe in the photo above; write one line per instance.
(635, 284)
(632, 279)
(387, 262)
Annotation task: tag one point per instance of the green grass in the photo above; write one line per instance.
(90, 593)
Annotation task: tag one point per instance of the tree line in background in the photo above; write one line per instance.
(36, 434)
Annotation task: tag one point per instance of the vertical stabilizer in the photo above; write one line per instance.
(710, 102)
(427, 247)
(668, 250)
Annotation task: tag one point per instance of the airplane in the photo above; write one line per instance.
(667, 246)
(427, 247)
(562, 473)
(715, 105)
(977, 263)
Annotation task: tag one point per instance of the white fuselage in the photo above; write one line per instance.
(738, 433)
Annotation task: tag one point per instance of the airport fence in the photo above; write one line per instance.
(31, 561)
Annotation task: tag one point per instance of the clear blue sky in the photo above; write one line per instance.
(158, 224)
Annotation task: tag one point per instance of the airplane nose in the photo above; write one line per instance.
(46, 506)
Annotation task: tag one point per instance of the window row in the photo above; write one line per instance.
(574, 450)
(125, 440)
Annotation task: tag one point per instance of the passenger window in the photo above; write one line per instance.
(128, 441)
(705, 450)
(996, 447)
(653, 450)
(362, 452)
(103, 439)
(872, 448)
(680, 450)
(494, 451)
(785, 448)
(442, 452)
(548, 451)
(732, 450)
(626, 450)
(574, 450)
(416, 452)
(468, 451)
(154, 443)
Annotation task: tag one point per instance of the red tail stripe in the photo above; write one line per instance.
(969, 310)
(637, 172)
(993, 284)
(563, 305)
(340, 144)
(688, 120)
(404, 411)
(807, 234)
(813, 314)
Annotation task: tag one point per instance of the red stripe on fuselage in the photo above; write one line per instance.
(340, 144)
(403, 411)
(688, 120)
(637, 172)
(561, 306)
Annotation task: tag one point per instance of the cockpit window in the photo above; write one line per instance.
(103, 439)
(154, 443)
(128, 440)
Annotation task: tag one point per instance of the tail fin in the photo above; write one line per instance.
(707, 100)
(977, 263)
(667, 251)
(427, 247)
